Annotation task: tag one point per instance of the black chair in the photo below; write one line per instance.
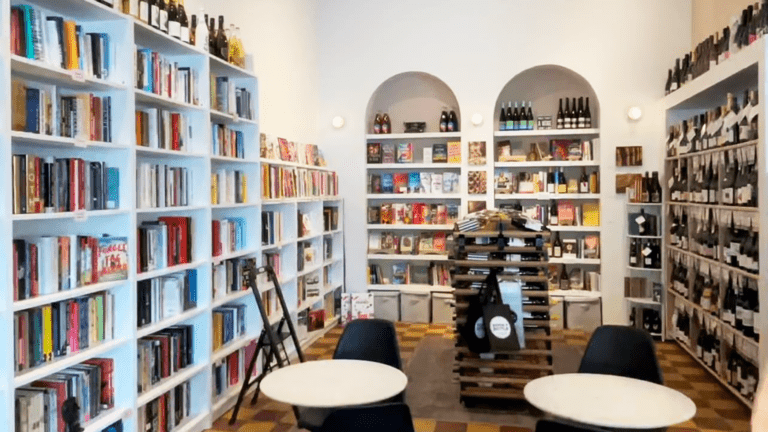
(394, 417)
(560, 426)
(623, 351)
(372, 340)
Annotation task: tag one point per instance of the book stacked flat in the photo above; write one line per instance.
(165, 297)
(164, 354)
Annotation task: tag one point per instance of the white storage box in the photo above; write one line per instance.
(414, 307)
(556, 315)
(442, 308)
(583, 313)
(386, 305)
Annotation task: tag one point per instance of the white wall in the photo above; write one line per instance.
(282, 37)
(623, 48)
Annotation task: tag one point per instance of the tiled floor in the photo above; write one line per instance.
(717, 409)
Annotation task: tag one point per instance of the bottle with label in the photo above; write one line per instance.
(565, 281)
(386, 124)
(753, 113)
(646, 196)
(581, 120)
(193, 31)
(222, 43)
(183, 22)
(583, 181)
(633, 245)
(550, 182)
(574, 115)
(744, 123)
(510, 118)
(594, 186)
(164, 16)
(533, 154)
(557, 248)
(232, 55)
(560, 115)
(516, 118)
(377, 124)
(154, 13)
(212, 49)
(174, 24)
(529, 116)
(562, 184)
(655, 188)
(668, 85)
(567, 115)
(144, 11)
(453, 122)
(502, 118)
(553, 217)
(587, 115)
(444, 120)
(201, 32)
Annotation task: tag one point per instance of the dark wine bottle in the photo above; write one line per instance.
(565, 281)
(502, 118)
(453, 122)
(510, 119)
(174, 25)
(222, 44)
(553, 217)
(655, 188)
(574, 115)
(560, 116)
(580, 114)
(550, 182)
(557, 248)
(162, 4)
(212, 49)
(386, 124)
(444, 121)
(193, 31)
(668, 85)
(567, 115)
(515, 118)
(583, 181)
(633, 244)
(587, 115)
(529, 117)
(183, 22)
(377, 124)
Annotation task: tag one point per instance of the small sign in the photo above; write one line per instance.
(78, 75)
(235, 118)
(79, 142)
(81, 216)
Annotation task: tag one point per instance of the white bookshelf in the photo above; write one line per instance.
(125, 34)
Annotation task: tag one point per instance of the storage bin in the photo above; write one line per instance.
(414, 307)
(556, 315)
(386, 305)
(442, 308)
(583, 313)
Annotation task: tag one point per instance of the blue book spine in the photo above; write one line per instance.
(113, 188)
(33, 110)
(84, 312)
(105, 58)
(192, 287)
(28, 32)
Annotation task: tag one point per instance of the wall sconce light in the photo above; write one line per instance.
(477, 119)
(634, 113)
(338, 122)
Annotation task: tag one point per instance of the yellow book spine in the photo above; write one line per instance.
(244, 177)
(70, 37)
(47, 333)
(214, 189)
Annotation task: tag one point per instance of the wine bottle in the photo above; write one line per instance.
(530, 116)
(154, 13)
(565, 281)
(753, 113)
(222, 44)
(163, 18)
(584, 181)
(510, 119)
(193, 31)
(174, 24)
(453, 122)
(633, 245)
(553, 217)
(594, 185)
(632, 317)
(655, 323)
(386, 124)
(502, 118)
(550, 182)
(646, 180)
(560, 115)
(145, 11)
(202, 33)
(581, 121)
(574, 115)
(444, 121)
(183, 22)
(587, 115)
(668, 85)
(700, 344)
(212, 49)
(377, 124)
(557, 248)
(562, 185)
(515, 118)
(655, 188)
(567, 115)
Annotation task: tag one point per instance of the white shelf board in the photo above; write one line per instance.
(35, 139)
(407, 136)
(277, 245)
(644, 301)
(169, 270)
(308, 302)
(309, 270)
(416, 196)
(294, 165)
(29, 375)
(149, 37)
(406, 166)
(169, 383)
(332, 261)
(147, 98)
(410, 288)
(221, 67)
(234, 296)
(333, 232)
(230, 159)
(235, 254)
(547, 196)
(230, 119)
(232, 346)
(192, 423)
(38, 70)
(544, 164)
(575, 261)
(396, 257)
(713, 206)
(309, 237)
(574, 293)
(106, 418)
(640, 204)
(233, 205)
(644, 237)
(89, 10)
(565, 228)
(714, 150)
(277, 201)
(658, 270)
(411, 227)
(65, 295)
(168, 322)
(547, 132)
(166, 154)
(69, 215)
(177, 209)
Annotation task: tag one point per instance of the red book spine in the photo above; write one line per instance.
(61, 396)
(38, 175)
(233, 368)
(34, 287)
(74, 327)
(81, 183)
(93, 243)
(216, 237)
(162, 413)
(15, 43)
(175, 131)
(165, 346)
(72, 182)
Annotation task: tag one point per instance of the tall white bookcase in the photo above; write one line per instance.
(126, 34)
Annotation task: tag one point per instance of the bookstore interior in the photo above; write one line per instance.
(229, 221)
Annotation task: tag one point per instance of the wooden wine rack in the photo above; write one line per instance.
(496, 375)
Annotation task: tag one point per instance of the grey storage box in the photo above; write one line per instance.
(414, 307)
(386, 305)
(583, 313)
(442, 308)
(556, 313)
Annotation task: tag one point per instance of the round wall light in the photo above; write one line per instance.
(477, 119)
(634, 113)
(338, 122)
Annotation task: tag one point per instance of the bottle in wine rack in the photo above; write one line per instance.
(560, 115)
(562, 184)
(594, 185)
(753, 113)
(668, 85)
(565, 281)
(516, 116)
(153, 13)
(502, 118)
(645, 194)
(655, 188)
(193, 31)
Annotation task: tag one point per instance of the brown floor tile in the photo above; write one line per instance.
(450, 427)
(424, 425)
(712, 423)
(482, 427)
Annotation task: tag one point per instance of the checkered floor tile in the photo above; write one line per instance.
(717, 409)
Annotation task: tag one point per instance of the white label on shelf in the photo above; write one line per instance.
(79, 142)
(235, 117)
(78, 75)
(81, 216)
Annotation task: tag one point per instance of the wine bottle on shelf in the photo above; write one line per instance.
(144, 11)
(453, 122)
(584, 181)
(163, 5)
(633, 246)
(632, 317)
(386, 124)
(560, 115)
(594, 183)
(700, 344)
(510, 119)
(222, 44)
(154, 13)
(581, 121)
(551, 182)
(557, 248)
(212, 47)
(529, 116)
(174, 23)
(193, 31)
(516, 117)
(646, 196)
(562, 185)
(202, 33)
(502, 118)
(377, 124)
(656, 323)
(183, 22)
(574, 115)
(668, 85)
(587, 115)
(444, 120)
(553, 217)
(567, 115)
(565, 281)
(655, 188)
(753, 100)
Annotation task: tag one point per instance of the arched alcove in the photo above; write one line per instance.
(544, 86)
(411, 97)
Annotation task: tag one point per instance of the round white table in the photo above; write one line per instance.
(333, 383)
(609, 401)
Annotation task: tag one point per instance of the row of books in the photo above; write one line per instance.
(41, 109)
(228, 371)
(271, 303)
(406, 244)
(303, 224)
(161, 129)
(48, 333)
(229, 276)
(228, 324)
(46, 265)
(271, 227)
(411, 273)
(274, 148)
(164, 243)
(227, 97)
(227, 142)
(167, 411)
(330, 218)
(165, 297)
(307, 286)
(278, 182)
(306, 255)
(55, 185)
(228, 235)
(39, 406)
(229, 187)
(312, 183)
(568, 214)
(161, 185)
(414, 182)
(389, 153)
(413, 214)
(273, 260)
(164, 354)
(553, 150)
(162, 76)
(57, 42)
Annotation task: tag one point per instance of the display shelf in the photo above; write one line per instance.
(221, 67)
(396, 257)
(411, 227)
(278, 245)
(548, 133)
(713, 150)
(294, 164)
(641, 204)
(648, 269)
(65, 295)
(28, 138)
(78, 215)
(331, 261)
(230, 119)
(234, 205)
(309, 237)
(147, 36)
(336, 231)
(29, 375)
(229, 159)
(309, 270)
(334, 198)
(177, 209)
(168, 322)
(545, 164)
(410, 166)
(166, 154)
(566, 228)
(547, 196)
(424, 196)
(105, 419)
(74, 79)
(713, 206)
(715, 263)
(147, 98)
(410, 288)
(409, 136)
(575, 293)
(192, 423)
(235, 254)
(231, 297)
(169, 383)
(84, 9)
(644, 237)
(308, 302)
(169, 270)
(233, 346)
(643, 301)
(575, 261)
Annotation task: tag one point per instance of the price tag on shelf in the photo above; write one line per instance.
(78, 76)
(81, 143)
(81, 216)
(235, 118)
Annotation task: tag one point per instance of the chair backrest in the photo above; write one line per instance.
(374, 418)
(372, 339)
(623, 351)
(559, 426)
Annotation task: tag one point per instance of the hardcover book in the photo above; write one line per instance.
(374, 153)
(439, 153)
(414, 182)
(454, 152)
(388, 152)
(387, 183)
(400, 181)
(113, 259)
(405, 153)
(477, 153)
